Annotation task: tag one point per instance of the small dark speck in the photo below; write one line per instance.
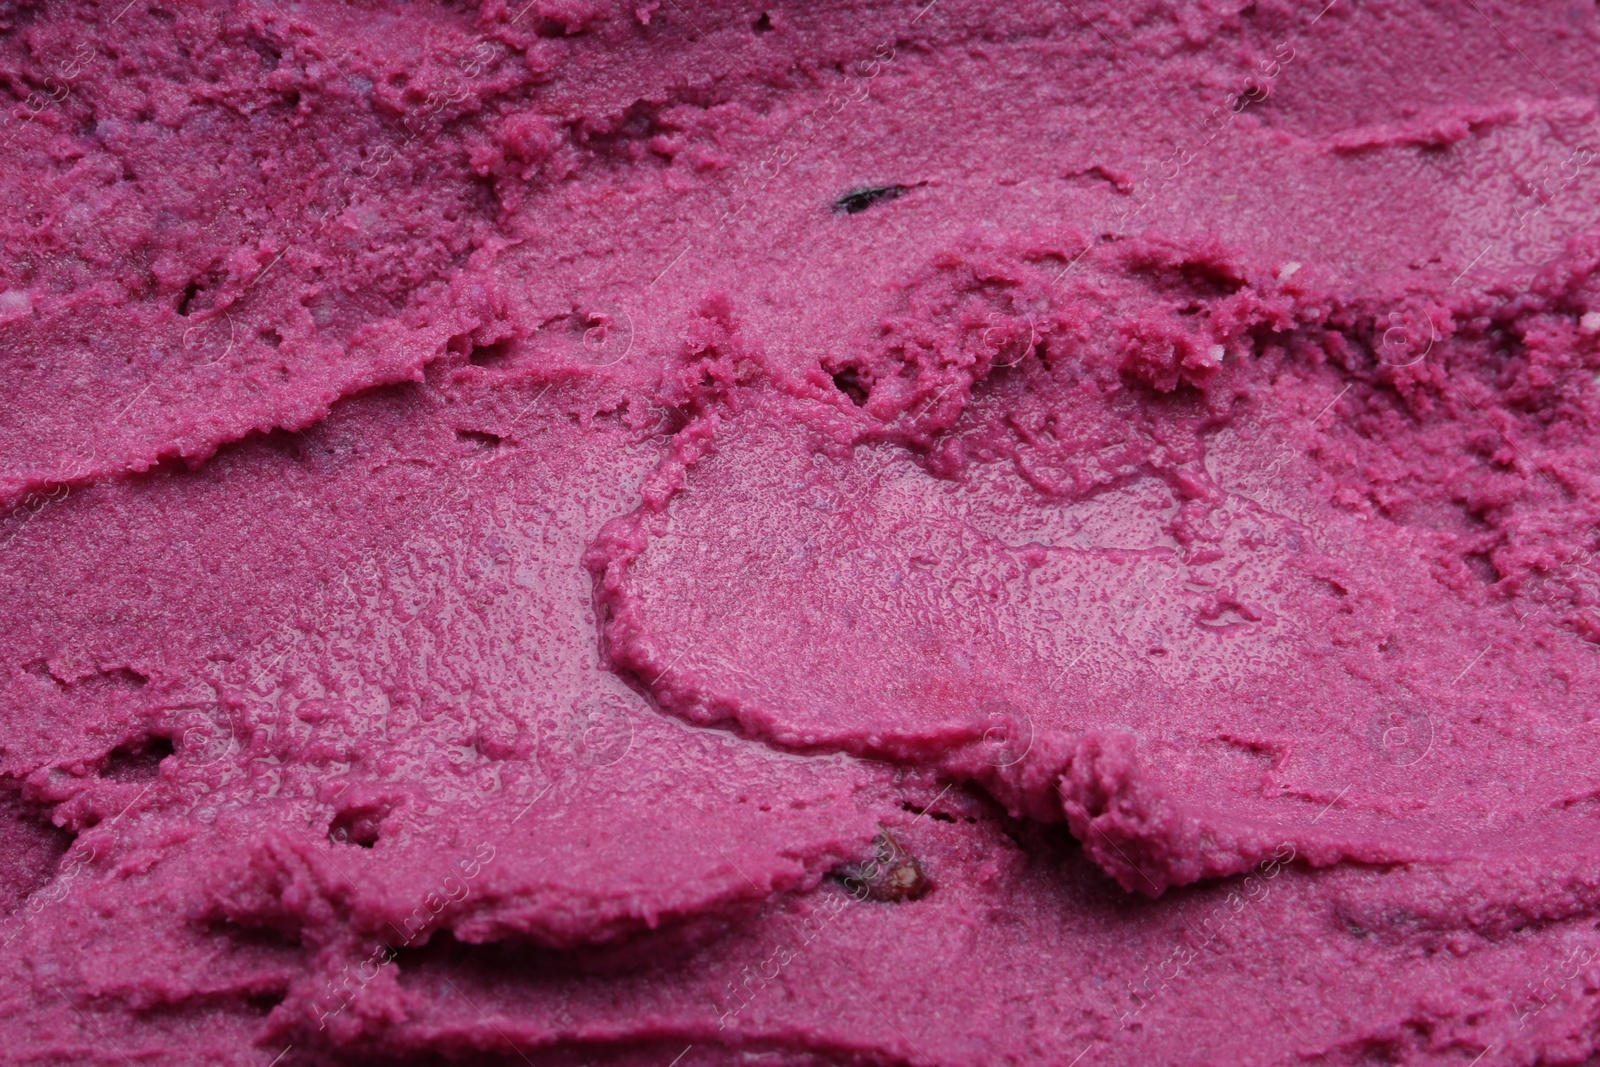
(853, 203)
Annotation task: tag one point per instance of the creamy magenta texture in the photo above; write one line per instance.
(571, 532)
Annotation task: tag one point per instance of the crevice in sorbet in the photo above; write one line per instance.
(138, 760)
(480, 440)
(848, 381)
(490, 355)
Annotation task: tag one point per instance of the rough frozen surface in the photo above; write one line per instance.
(1040, 533)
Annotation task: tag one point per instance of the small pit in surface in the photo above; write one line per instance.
(848, 382)
(357, 826)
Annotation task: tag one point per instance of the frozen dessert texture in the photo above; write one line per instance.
(824, 534)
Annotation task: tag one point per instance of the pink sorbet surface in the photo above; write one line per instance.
(654, 534)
